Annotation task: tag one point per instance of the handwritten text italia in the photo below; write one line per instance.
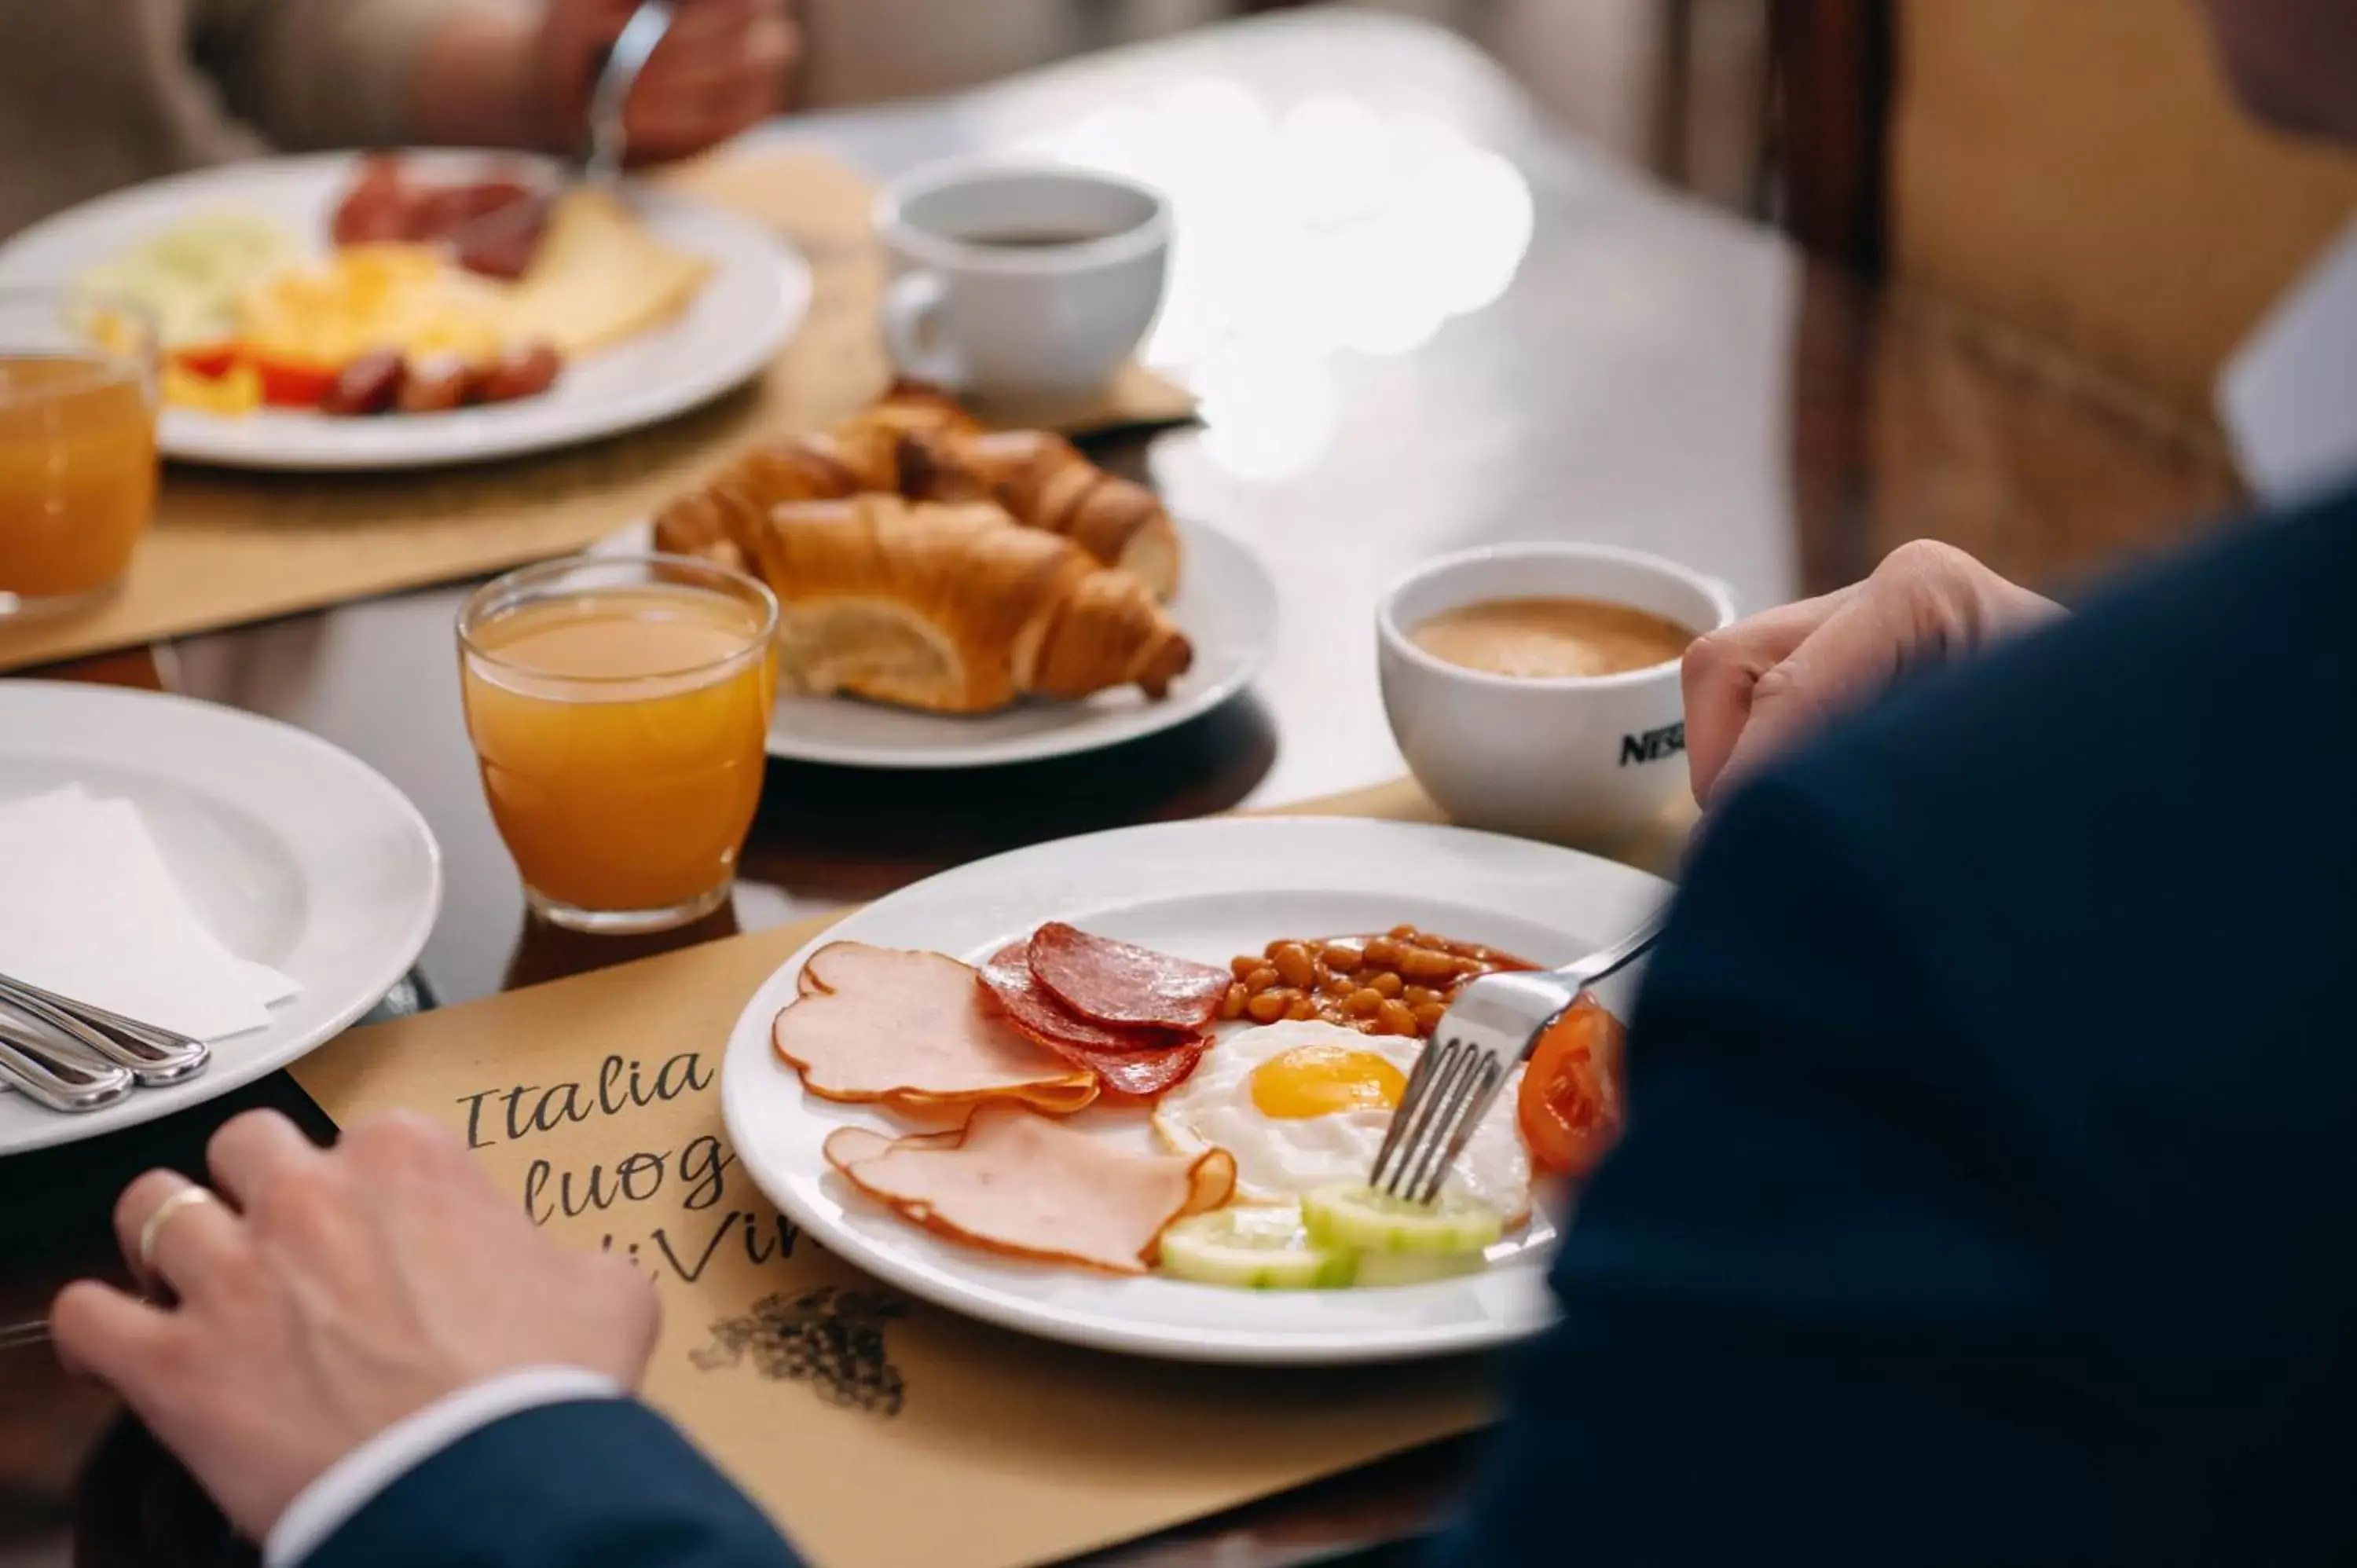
(714, 1213)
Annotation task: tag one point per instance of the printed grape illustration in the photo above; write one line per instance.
(829, 1337)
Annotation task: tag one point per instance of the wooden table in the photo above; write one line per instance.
(1569, 353)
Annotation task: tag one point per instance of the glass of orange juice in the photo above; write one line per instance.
(77, 445)
(619, 707)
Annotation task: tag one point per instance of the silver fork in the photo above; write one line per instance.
(602, 163)
(152, 1054)
(1489, 1029)
(50, 1070)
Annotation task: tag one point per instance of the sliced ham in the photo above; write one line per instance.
(1128, 1060)
(807, 983)
(1123, 984)
(1017, 1182)
(909, 1029)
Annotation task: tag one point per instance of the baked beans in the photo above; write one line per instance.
(1395, 983)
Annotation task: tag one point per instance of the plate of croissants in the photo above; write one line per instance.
(951, 596)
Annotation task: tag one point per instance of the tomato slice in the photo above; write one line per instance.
(287, 383)
(211, 360)
(1570, 1104)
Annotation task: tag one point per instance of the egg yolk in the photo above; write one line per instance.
(1319, 1081)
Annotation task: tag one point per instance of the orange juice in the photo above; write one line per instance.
(77, 471)
(619, 728)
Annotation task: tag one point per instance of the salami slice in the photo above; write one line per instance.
(1123, 985)
(1139, 1061)
(1144, 1073)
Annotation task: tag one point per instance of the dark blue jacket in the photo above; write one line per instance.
(588, 1484)
(1991, 1191)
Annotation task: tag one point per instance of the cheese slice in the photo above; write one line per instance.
(600, 277)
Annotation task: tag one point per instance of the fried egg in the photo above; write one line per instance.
(1305, 1104)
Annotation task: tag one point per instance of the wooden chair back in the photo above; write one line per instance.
(2075, 169)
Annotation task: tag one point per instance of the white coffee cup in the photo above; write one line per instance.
(1576, 759)
(1019, 279)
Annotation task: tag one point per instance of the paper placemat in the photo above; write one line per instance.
(876, 1430)
(228, 548)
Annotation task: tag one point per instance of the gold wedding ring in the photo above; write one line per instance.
(154, 1226)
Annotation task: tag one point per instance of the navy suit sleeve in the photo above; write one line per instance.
(590, 1484)
(1809, 1314)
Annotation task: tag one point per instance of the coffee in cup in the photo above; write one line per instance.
(1019, 280)
(1551, 639)
(1534, 688)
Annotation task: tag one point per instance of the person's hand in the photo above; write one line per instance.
(1754, 688)
(328, 1294)
(722, 68)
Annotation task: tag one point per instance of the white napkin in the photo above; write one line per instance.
(89, 910)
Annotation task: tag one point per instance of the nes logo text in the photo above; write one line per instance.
(1653, 745)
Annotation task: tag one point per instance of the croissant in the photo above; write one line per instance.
(1042, 481)
(917, 441)
(952, 609)
(917, 408)
(715, 521)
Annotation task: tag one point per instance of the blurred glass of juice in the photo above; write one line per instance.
(77, 446)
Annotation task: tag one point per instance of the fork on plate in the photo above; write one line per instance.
(1490, 1028)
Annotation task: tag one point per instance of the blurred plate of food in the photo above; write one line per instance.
(951, 596)
(1125, 1090)
(350, 311)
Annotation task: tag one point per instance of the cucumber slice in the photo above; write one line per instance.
(1365, 1220)
(1257, 1247)
(1415, 1268)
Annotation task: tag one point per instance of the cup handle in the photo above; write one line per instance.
(913, 332)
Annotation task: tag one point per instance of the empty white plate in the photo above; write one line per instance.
(294, 854)
(1207, 890)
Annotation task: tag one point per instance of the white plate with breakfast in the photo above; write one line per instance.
(347, 311)
(212, 871)
(1125, 1090)
(955, 596)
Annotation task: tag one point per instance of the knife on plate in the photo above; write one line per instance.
(152, 1054)
(51, 1070)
